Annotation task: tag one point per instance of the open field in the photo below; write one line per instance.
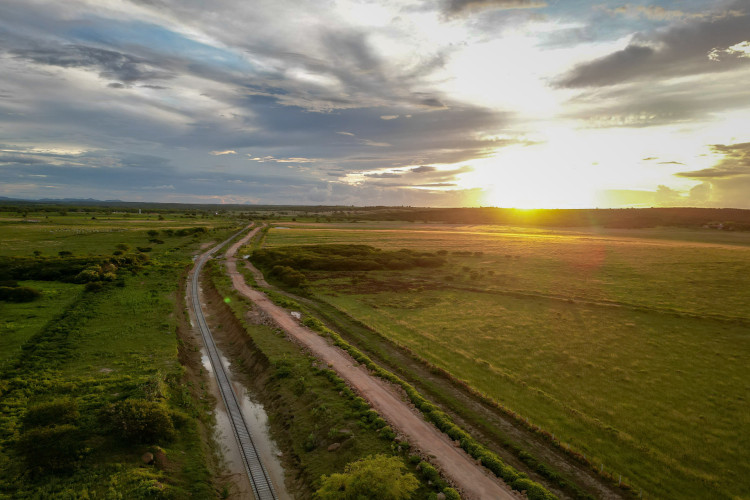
(627, 345)
(92, 346)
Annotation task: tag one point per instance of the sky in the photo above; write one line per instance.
(508, 103)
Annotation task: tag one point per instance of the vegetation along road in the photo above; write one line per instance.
(261, 483)
(473, 481)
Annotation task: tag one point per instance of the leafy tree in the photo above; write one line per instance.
(374, 477)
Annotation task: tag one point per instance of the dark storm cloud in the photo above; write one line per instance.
(682, 49)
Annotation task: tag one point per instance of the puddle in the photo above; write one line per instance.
(257, 419)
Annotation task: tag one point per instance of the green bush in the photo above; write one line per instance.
(287, 275)
(428, 471)
(19, 294)
(140, 420)
(53, 448)
(60, 411)
(375, 477)
(451, 494)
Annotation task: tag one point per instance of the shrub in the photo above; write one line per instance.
(19, 294)
(428, 471)
(311, 442)
(51, 448)
(60, 411)
(375, 477)
(140, 420)
(287, 275)
(451, 494)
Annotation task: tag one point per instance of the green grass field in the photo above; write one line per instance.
(100, 346)
(629, 346)
(20, 321)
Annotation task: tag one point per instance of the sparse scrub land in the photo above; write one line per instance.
(625, 348)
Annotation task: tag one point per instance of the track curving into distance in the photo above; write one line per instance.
(259, 479)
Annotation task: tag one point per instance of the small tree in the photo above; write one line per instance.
(374, 477)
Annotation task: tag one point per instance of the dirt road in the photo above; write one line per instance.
(474, 482)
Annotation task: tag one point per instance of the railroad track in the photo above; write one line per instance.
(259, 479)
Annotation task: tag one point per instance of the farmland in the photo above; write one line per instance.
(626, 345)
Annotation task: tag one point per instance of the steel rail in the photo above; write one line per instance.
(259, 479)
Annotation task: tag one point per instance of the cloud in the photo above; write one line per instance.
(728, 182)
(735, 163)
(741, 50)
(383, 175)
(388, 117)
(463, 6)
(110, 64)
(653, 103)
(676, 51)
(659, 13)
(423, 169)
(221, 153)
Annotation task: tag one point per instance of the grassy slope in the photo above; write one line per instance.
(657, 397)
(106, 346)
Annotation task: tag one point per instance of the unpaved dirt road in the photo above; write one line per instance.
(473, 481)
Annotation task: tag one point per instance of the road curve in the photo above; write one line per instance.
(259, 478)
(473, 480)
